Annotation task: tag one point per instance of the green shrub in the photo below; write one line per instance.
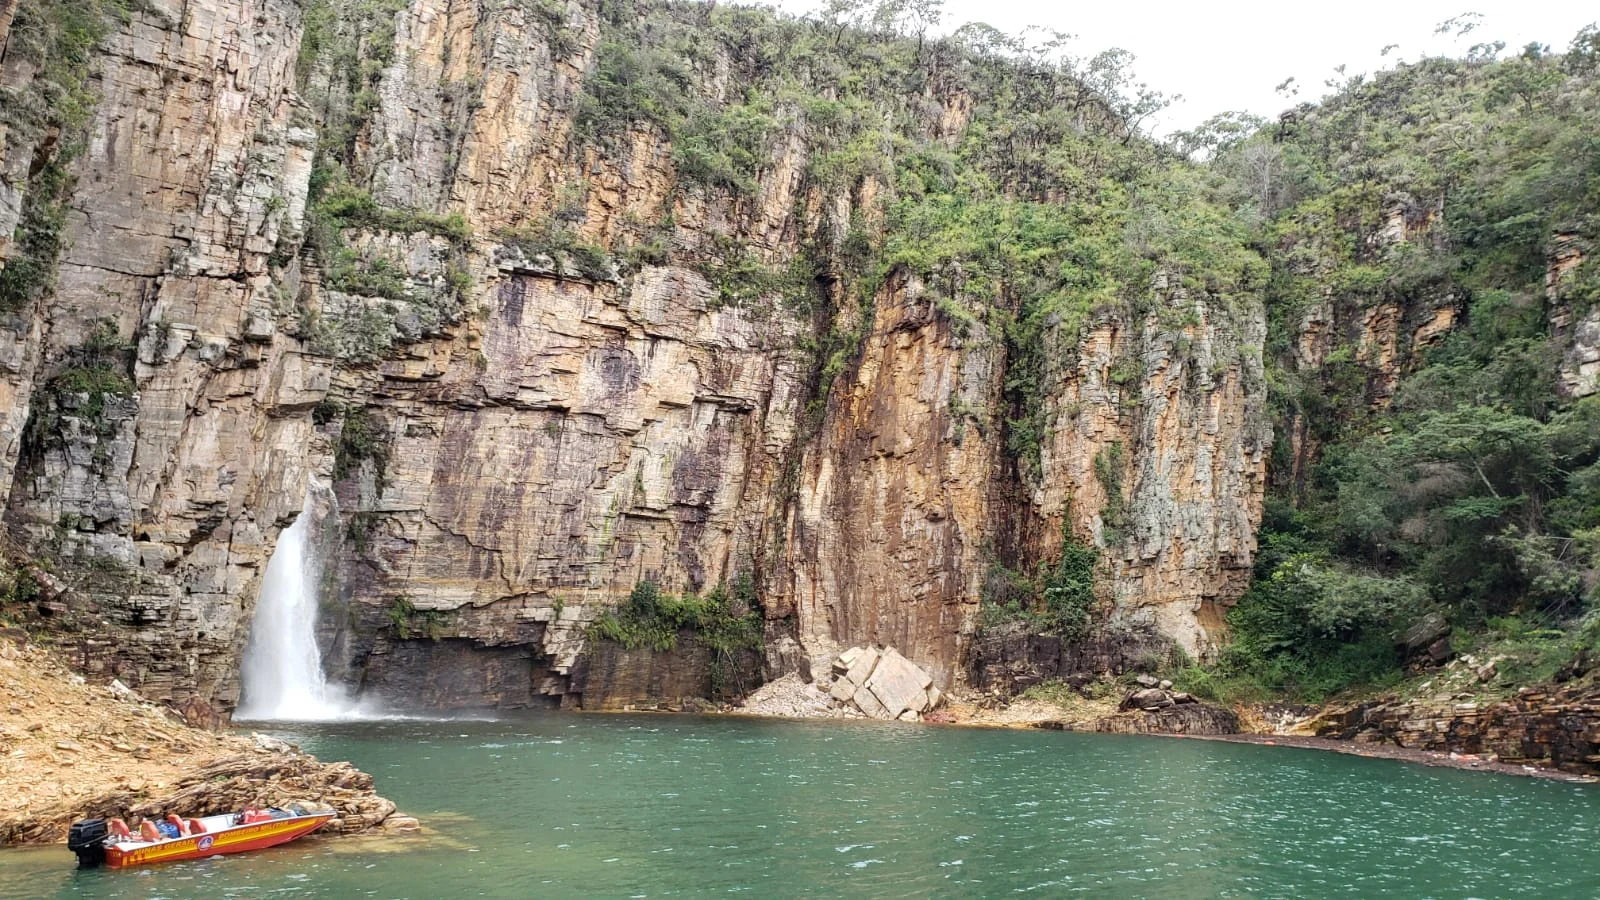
(722, 621)
(408, 621)
(1059, 598)
(362, 437)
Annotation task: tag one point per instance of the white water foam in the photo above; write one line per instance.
(282, 671)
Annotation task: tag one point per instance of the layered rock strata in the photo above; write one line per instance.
(518, 430)
(170, 436)
(75, 749)
(1554, 727)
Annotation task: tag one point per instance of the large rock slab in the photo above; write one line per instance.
(860, 662)
(883, 683)
(899, 685)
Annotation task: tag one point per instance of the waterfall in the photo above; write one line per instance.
(282, 672)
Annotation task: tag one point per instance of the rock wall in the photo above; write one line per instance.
(1550, 726)
(895, 498)
(1009, 659)
(1157, 456)
(170, 438)
(517, 433)
(1574, 328)
(613, 678)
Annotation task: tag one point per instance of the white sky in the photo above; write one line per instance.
(1230, 54)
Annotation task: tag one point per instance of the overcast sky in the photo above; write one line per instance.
(1230, 54)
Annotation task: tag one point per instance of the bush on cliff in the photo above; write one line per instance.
(722, 621)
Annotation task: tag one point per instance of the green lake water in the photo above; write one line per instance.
(571, 805)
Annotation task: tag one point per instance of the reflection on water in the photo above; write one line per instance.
(618, 806)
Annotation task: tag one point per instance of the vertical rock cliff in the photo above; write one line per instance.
(150, 175)
(560, 297)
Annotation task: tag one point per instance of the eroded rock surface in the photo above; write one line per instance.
(72, 749)
(1554, 727)
(517, 433)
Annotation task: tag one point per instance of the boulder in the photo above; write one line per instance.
(1425, 632)
(843, 689)
(868, 703)
(883, 684)
(1147, 699)
(862, 664)
(899, 684)
(1440, 651)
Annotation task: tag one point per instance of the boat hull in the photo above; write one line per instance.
(237, 839)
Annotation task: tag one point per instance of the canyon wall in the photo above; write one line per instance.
(155, 432)
(536, 367)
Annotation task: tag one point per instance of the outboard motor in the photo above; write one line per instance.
(88, 839)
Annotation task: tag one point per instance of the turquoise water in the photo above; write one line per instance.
(571, 805)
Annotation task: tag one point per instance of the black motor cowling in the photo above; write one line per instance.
(88, 839)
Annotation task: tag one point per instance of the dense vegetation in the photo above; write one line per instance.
(1473, 490)
(724, 619)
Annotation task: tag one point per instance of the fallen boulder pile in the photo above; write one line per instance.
(883, 684)
(792, 697)
(1155, 708)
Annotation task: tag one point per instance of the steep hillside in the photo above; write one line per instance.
(1433, 350)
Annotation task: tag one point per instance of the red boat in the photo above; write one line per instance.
(94, 843)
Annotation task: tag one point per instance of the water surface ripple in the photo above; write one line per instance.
(678, 806)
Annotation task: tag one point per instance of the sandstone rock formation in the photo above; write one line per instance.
(71, 749)
(516, 433)
(1550, 726)
(883, 684)
(1187, 718)
(527, 358)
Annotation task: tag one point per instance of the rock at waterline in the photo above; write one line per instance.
(883, 684)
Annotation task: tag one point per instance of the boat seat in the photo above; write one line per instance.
(197, 827)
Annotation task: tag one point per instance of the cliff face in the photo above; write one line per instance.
(168, 429)
(897, 496)
(1158, 455)
(539, 357)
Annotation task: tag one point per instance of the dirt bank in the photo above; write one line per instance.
(71, 749)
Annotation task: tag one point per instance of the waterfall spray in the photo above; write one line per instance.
(282, 671)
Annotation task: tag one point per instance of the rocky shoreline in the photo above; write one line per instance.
(1452, 760)
(1552, 733)
(71, 750)
(869, 683)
